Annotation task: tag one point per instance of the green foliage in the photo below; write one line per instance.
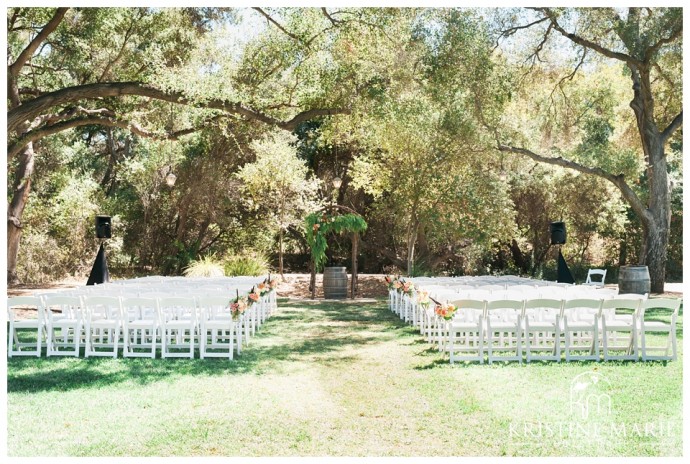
(422, 87)
(246, 264)
(319, 225)
(208, 266)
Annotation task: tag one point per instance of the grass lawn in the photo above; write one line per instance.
(335, 379)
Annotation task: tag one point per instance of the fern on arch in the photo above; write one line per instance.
(321, 223)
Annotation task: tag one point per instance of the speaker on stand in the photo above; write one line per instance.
(558, 237)
(99, 271)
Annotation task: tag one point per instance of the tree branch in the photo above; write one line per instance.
(131, 126)
(28, 52)
(670, 129)
(69, 113)
(512, 30)
(618, 181)
(119, 55)
(588, 43)
(277, 24)
(32, 108)
(329, 17)
(654, 48)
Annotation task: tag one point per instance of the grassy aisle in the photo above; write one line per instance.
(334, 379)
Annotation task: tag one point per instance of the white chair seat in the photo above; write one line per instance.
(613, 324)
(65, 322)
(104, 324)
(501, 325)
(657, 325)
(141, 324)
(542, 326)
(27, 324)
(178, 324)
(218, 324)
(580, 324)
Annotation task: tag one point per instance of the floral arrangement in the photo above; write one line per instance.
(272, 283)
(407, 288)
(423, 298)
(446, 311)
(392, 281)
(263, 288)
(238, 306)
(254, 296)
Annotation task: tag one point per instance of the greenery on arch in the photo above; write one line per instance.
(320, 224)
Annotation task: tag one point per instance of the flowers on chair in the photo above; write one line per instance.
(272, 283)
(407, 288)
(263, 288)
(254, 296)
(392, 282)
(238, 306)
(423, 298)
(445, 310)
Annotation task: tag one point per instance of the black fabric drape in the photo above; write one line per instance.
(564, 274)
(99, 271)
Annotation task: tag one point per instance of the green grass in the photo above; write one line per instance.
(328, 379)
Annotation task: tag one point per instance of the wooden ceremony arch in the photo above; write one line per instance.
(355, 247)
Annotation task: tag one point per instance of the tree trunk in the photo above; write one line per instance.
(355, 237)
(280, 253)
(312, 279)
(20, 196)
(411, 243)
(656, 219)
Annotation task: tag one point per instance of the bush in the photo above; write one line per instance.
(207, 266)
(246, 265)
(41, 259)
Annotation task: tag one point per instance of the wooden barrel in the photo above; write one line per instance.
(335, 283)
(634, 279)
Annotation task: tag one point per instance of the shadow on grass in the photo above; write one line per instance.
(310, 332)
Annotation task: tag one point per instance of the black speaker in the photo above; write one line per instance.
(103, 226)
(557, 233)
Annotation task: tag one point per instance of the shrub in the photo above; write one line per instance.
(207, 266)
(246, 265)
(41, 259)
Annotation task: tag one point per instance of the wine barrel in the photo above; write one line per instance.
(334, 283)
(634, 279)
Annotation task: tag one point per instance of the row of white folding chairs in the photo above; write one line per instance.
(147, 291)
(407, 309)
(65, 324)
(542, 325)
(585, 329)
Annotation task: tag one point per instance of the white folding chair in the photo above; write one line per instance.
(65, 315)
(503, 330)
(631, 296)
(103, 325)
(141, 325)
(216, 327)
(542, 329)
(466, 331)
(619, 329)
(599, 277)
(15, 346)
(581, 329)
(658, 316)
(178, 326)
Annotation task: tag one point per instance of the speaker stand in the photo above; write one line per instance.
(99, 271)
(564, 274)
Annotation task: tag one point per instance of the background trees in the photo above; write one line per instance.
(419, 111)
(646, 45)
